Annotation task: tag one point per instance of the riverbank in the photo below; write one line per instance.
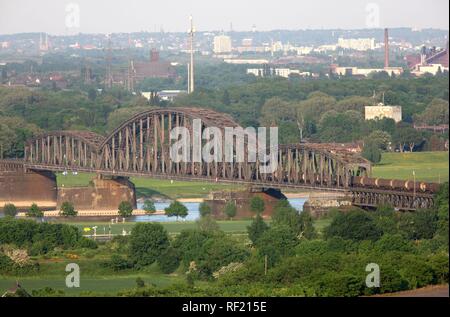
(96, 213)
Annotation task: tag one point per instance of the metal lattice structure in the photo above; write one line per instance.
(140, 147)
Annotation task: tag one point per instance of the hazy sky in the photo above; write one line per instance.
(103, 16)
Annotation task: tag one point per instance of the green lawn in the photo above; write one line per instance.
(234, 226)
(428, 166)
(229, 226)
(105, 282)
(92, 279)
(147, 187)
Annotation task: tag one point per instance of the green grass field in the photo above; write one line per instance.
(233, 226)
(148, 187)
(229, 226)
(428, 166)
(104, 282)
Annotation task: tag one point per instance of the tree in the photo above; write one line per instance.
(230, 209)
(149, 206)
(176, 209)
(67, 210)
(35, 211)
(208, 224)
(10, 210)
(354, 225)
(436, 113)
(422, 224)
(257, 205)
(147, 242)
(372, 152)
(284, 214)
(169, 260)
(340, 126)
(300, 223)
(205, 209)
(256, 229)
(407, 136)
(381, 139)
(307, 229)
(276, 243)
(125, 209)
(140, 282)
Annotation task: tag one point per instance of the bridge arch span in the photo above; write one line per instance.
(141, 146)
(65, 148)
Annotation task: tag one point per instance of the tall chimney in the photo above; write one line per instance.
(386, 48)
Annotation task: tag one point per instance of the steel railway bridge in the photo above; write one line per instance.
(141, 147)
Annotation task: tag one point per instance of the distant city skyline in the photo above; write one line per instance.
(102, 16)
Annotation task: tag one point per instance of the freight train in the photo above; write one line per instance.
(395, 184)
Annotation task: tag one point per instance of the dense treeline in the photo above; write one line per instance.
(324, 110)
(287, 258)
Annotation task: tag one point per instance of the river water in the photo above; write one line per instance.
(193, 212)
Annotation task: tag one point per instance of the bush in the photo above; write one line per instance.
(147, 242)
(207, 223)
(6, 263)
(67, 210)
(208, 250)
(393, 242)
(125, 209)
(140, 282)
(169, 260)
(41, 238)
(276, 243)
(149, 206)
(257, 205)
(35, 211)
(421, 224)
(47, 292)
(340, 285)
(204, 208)
(10, 210)
(372, 152)
(256, 229)
(230, 209)
(416, 271)
(117, 263)
(190, 244)
(355, 225)
(176, 209)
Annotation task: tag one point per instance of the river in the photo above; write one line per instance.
(193, 212)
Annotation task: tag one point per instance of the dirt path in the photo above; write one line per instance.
(429, 291)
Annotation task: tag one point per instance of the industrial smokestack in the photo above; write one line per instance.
(386, 48)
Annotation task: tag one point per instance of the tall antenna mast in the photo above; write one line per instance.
(130, 79)
(109, 80)
(191, 65)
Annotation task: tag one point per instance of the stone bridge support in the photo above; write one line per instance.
(102, 194)
(24, 187)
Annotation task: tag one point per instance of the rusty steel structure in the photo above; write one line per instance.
(141, 147)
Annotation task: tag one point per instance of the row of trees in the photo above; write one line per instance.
(321, 110)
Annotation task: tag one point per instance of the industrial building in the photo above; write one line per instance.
(154, 68)
(430, 60)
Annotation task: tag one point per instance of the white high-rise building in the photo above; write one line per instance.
(222, 44)
(357, 44)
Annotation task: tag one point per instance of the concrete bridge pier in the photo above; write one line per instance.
(103, 193)
(319, 204)
(24, 187)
